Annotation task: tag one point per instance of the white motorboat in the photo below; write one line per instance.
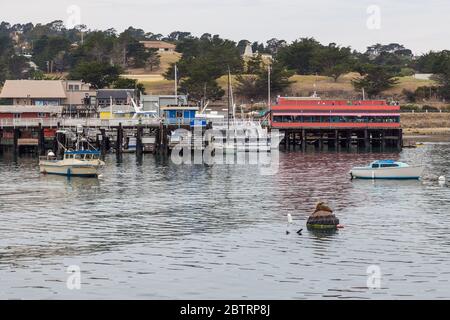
(79, 163)
(387, 169)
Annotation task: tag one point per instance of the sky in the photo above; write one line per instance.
(418, 24)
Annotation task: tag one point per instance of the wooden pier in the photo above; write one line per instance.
(342, 139)
(40, 135)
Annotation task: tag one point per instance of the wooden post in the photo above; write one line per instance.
(60, 137)
(336, 139)
(400, 140)
(139, 133)
(15, 142)
(349, 139)
(41, 141)
(294, 140)
(1, 140)
(286, 138)
(366, 139)
(103, 143)
(119, 142)
(304, 140)
(383, 139)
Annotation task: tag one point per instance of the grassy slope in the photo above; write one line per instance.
(426, 123)
(303, 85)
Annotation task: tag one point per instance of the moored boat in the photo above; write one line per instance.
(80, 163)
(387, 169)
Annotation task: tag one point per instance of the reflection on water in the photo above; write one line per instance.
(157, 230)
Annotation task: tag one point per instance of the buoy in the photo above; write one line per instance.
(322, 219)
(442, 179)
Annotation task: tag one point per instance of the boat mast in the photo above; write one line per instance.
(176, 84)
(229, 97)
(268, 87)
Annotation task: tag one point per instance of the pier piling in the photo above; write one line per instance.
(119, 142)
(139, 150)
(41, 140)
(16, 142)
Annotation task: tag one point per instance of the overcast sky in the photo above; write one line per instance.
(420, 25)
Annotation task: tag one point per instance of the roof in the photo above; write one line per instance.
(83, 152)
(33, 89)
(114, 93)
(31, 109)
(158, 44)
(385, 161)
(180, 108)
(118, 109)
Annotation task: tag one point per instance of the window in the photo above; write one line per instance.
(389, 165)
(16, 115)
(179, 114)
(375, 166)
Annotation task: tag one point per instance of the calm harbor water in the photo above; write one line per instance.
(157, 230)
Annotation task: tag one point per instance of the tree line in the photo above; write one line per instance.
(99, 57)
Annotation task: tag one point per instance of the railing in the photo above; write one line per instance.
(73, 122)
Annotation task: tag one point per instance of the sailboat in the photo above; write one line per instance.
(242, 135)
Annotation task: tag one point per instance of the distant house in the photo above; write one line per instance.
(34, 92)
(75, 97)
(154, 103)
(119, 97)
(162, 46)
(423, 76)
(80, 97)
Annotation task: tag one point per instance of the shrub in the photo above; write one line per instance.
(410, 108)
(427, 108)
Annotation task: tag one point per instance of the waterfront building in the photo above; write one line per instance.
(363, 121)
(179, 115)
(74, 96)
(29, 112)
(117, 97)
(155, 102)
(116, 112)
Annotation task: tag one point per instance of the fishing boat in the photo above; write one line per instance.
(387, 169)
(79, 163)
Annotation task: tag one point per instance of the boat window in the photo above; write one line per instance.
(389, 165)
(376, 165)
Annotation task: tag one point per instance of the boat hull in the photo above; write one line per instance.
(412, 172)
(70, 170)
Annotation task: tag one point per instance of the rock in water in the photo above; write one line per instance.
(322, 219)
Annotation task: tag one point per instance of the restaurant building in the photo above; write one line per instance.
(337, 122)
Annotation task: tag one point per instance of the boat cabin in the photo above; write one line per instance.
(386, 164)
(86, 155)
